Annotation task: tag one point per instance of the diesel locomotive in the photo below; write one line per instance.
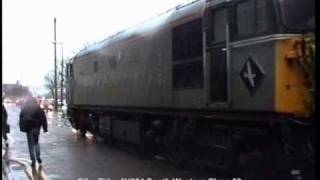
(227, 84)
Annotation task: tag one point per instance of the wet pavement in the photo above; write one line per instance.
(66, 155)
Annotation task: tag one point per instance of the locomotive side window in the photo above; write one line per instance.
(67, 70)
(187, 41)
(71, 70)
(187, 56)
(252, 17)
(95, 66)
(112, 61)
(188, 75)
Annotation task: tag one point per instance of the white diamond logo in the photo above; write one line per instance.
(251, 74)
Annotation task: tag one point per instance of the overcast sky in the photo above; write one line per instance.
(27, 30)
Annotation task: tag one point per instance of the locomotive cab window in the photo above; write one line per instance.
(187, 56)
(297, 14)
(252, 18)
(218, 26)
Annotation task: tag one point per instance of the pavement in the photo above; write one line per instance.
(19, 168)
(15, 166)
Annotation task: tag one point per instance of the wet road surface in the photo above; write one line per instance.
(66, 155)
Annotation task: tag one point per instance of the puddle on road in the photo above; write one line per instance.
(54, 115)
(17, 167)
(54, 176)
(14, 170)
(57, 119)
(17, 175)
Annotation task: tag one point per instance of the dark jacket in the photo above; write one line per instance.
(37, 115)
(4, 116)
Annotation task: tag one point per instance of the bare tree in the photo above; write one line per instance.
(49, 82)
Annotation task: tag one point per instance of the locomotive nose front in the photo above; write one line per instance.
(295, 76)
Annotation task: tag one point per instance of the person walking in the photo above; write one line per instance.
(5, 125)
(32, 118)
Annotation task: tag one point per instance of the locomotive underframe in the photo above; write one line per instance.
(231, 142)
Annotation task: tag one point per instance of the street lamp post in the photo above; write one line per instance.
(61, 73)
(55, 69)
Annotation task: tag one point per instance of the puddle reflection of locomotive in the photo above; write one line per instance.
(192, 88)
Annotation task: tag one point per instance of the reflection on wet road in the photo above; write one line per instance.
(66, 155)
(20, 168)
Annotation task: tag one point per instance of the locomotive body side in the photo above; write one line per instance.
(135, 69)
(125, 76)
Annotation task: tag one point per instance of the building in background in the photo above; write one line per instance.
(13, 92)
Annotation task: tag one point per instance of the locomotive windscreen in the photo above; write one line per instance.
(298, 14)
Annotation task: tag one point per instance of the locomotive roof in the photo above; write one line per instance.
(170, 17)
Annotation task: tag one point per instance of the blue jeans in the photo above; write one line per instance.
(33, 143)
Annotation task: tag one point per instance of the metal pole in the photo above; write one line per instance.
(55, 69)
(61, 75)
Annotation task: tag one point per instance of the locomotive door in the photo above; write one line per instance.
(216, 62)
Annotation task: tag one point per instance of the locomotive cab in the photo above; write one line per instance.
(247, 45)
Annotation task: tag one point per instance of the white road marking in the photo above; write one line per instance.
(10, 138)
(32, 173)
